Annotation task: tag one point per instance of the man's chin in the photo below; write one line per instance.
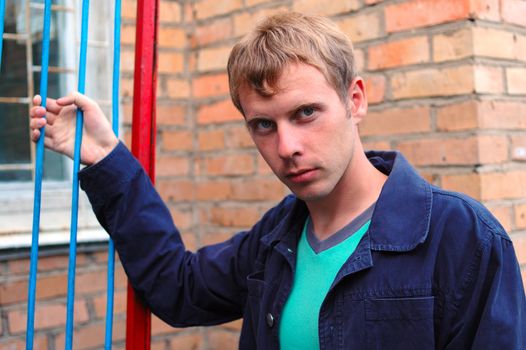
(309, 195)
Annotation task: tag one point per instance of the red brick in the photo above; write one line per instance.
(433, 82)
(92, 335)
(171, 166)
(399, 53)
(234, 216)
(257, 189)
(495, 43)
(486, 9)
(172, 37)
(502, 115)
(440, 151)
(177, 140)
(220, 340)
(503, 214)
(129, 9)
(170, 114)
(488, 79)
(520, 216)
(170, 62)
(513, 11)
(515, 79)
(128, 34)
(178, 88)
(325, 8)
(126, 88)
(13, 292)
(161, 327)
(90, 281)
(453, 45)
(214, 190)
(211, 140)
(239, 137)
(175, 190)
(210, 8)
(46, 263)
(233, 326)
(362, 27)
(359, 59)
(393, 121)
(458, 116)
(375, 88)
(244, 22)
(492, 149)
(182, 217)
(39, 342)
(127, 64)
(119, 304)
(422, 13)
(212, 32)
(469, 184)
(192, 341)
(229, 165)
(210, 85)
(213, 59)
(169, 11)
(46, 316)
(376, 145)
(262, 166)
(219, 112)
(508, 185)
(518, 147)
(519, 243)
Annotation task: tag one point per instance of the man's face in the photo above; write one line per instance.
(304, 132)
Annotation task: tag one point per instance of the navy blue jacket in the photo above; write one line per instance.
(435, 269)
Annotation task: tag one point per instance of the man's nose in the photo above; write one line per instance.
(289, 142)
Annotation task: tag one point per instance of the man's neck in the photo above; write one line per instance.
(358, 190)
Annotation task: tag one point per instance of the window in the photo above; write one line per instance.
(19, 81)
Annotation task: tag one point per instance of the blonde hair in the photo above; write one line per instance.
(259, 58)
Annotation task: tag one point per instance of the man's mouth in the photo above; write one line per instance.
(301, 175)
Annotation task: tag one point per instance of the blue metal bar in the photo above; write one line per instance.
(75, 189)
(38, 183)
(2, 15)
(115, 125)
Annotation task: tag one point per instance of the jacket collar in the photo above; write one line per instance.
(401, 216)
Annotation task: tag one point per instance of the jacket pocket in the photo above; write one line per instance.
(400, 323)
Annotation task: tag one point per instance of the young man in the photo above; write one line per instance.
(364, 255)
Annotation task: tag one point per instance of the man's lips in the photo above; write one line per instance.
(302, 175)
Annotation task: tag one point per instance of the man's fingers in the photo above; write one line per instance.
(77, 99)
(52, 106)
(37, 123)
(35, 135)
(37, 100)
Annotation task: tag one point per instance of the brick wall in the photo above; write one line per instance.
(445, 86)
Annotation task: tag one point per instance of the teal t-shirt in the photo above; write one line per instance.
(315, 273)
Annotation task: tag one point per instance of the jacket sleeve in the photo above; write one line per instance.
(490, 305)
(182, 288)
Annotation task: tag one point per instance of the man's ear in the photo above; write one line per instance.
(357, 99)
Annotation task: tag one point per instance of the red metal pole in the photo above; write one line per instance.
(138, 320)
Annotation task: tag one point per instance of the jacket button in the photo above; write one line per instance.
(270, 320)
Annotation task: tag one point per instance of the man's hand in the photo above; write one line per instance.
(98, 139)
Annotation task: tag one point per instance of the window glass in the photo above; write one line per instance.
(13, 73)
(14, 134)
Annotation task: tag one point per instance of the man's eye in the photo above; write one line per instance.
(307, 111)
(264, 124)
(261, 126)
